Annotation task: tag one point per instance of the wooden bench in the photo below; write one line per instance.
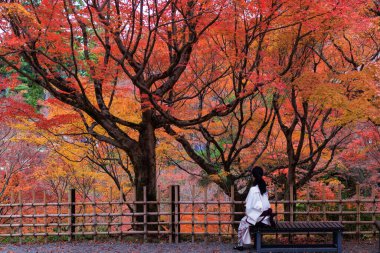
(336, 228)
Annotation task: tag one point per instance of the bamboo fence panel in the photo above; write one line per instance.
(212, 217)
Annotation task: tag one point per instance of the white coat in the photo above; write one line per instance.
(255, 205)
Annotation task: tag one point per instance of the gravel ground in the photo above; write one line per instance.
(121, 247)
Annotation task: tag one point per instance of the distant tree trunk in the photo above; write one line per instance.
(294, 145)
(238, 196)
(238, 208)
(290, 189)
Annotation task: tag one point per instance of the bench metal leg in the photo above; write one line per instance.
(258, 241)
(338, 241)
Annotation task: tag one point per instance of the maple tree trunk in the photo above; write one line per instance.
(144, 165)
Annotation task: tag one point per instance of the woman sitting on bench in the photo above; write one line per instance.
(257, 208)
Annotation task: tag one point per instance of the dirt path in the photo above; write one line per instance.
(122, 247)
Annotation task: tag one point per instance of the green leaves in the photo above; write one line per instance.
(31, 93)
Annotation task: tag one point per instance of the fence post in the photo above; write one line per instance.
(12, 202)
(71, 200)
(340, 202)
(192, 213)
(324, 207)
(45, 218)
(358, 212)
(145, 217)
(373, 196)
(171, 220)
(276, 207)
(324, 202)
(59, 213)
(94, 218)
(232, 211)
(110, 212)
(291, 200)
(219, 221)
(20, 225)
(291, 209)
(158, 210)
(34, 213)
(120, 224)
(308, 206)
(175, 214)
(205, 214)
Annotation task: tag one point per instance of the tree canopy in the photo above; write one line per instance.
(277, 83)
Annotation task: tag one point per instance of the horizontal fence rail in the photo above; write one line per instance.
(205, 215)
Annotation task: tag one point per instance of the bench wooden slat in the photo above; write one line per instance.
(298, 248)
(303, 225)
(299, 226)
(333, 224)
(308, 226)
(328, 225)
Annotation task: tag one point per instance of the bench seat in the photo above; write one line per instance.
(336, 228)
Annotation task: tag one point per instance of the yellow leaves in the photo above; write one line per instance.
(126, 108)
(62, 166)
(220, 177)
(349, 94)
(17, 10)
(214, 177)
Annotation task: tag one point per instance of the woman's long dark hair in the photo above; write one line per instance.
(257, 172)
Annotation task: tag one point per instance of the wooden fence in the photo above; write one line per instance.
(194, 216)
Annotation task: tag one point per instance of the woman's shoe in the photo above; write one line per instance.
(239, 248)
